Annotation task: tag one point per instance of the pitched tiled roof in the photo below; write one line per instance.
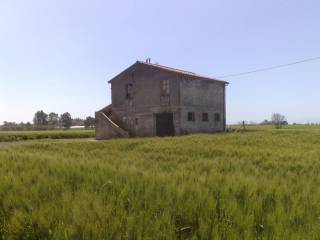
(182, 72)
(174, 70)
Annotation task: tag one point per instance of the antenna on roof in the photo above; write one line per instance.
(148, 60)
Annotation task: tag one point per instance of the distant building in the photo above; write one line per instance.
(76, 127)
(153, 100)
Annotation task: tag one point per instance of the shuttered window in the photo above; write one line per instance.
(165, 87)
(129, 91)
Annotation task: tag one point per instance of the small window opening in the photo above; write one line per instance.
(191, 116)
(217, 117)
(136, 121)
(205, 117)
(129, 91)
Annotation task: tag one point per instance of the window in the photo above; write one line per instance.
(205, 117)
(191, 117)
(217, 117)
(165, 87)
(137, 121)
(129, 92)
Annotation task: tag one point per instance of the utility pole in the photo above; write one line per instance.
(244, 125)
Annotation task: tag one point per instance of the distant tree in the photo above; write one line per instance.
(28, 126)
(40, 118)
(7, 126)
(265, 122)
(90, 122)
(278, 120)
(53, 119)
(66, 120)
(12, 126)
(77, 122)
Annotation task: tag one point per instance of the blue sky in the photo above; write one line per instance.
(58, 55)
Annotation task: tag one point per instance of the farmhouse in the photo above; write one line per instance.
(154, 100)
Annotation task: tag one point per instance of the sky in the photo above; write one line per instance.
(57, 55)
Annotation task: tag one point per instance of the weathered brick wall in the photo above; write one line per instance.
(186, 95)
(146, 100)
(201, 96)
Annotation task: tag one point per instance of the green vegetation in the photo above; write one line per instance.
(260, 184)
(12, 136)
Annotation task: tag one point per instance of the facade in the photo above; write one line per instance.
(153, 100)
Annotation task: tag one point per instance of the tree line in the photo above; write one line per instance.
(277, 119)
(44, 121)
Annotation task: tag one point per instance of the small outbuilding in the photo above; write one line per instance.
(154, 100)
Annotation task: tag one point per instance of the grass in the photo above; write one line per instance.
(13, 136)
(260, 184)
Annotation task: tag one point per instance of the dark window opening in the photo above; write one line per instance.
(217, 117)
(129, 91)
(137, 121)
(191, 116)
(205, 117)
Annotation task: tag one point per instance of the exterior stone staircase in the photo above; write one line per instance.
(109, 125)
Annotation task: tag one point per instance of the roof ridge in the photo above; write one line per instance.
(176, 70)
(169, 68)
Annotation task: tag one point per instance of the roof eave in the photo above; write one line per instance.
(207, 79)
(122, 72)
(173, 70)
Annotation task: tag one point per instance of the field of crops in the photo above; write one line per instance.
(12, 136)
(259, 184)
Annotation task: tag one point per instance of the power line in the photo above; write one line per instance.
(270, 68)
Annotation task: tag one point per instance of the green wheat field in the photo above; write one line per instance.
(263, 183)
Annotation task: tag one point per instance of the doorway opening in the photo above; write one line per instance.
(164, 124)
